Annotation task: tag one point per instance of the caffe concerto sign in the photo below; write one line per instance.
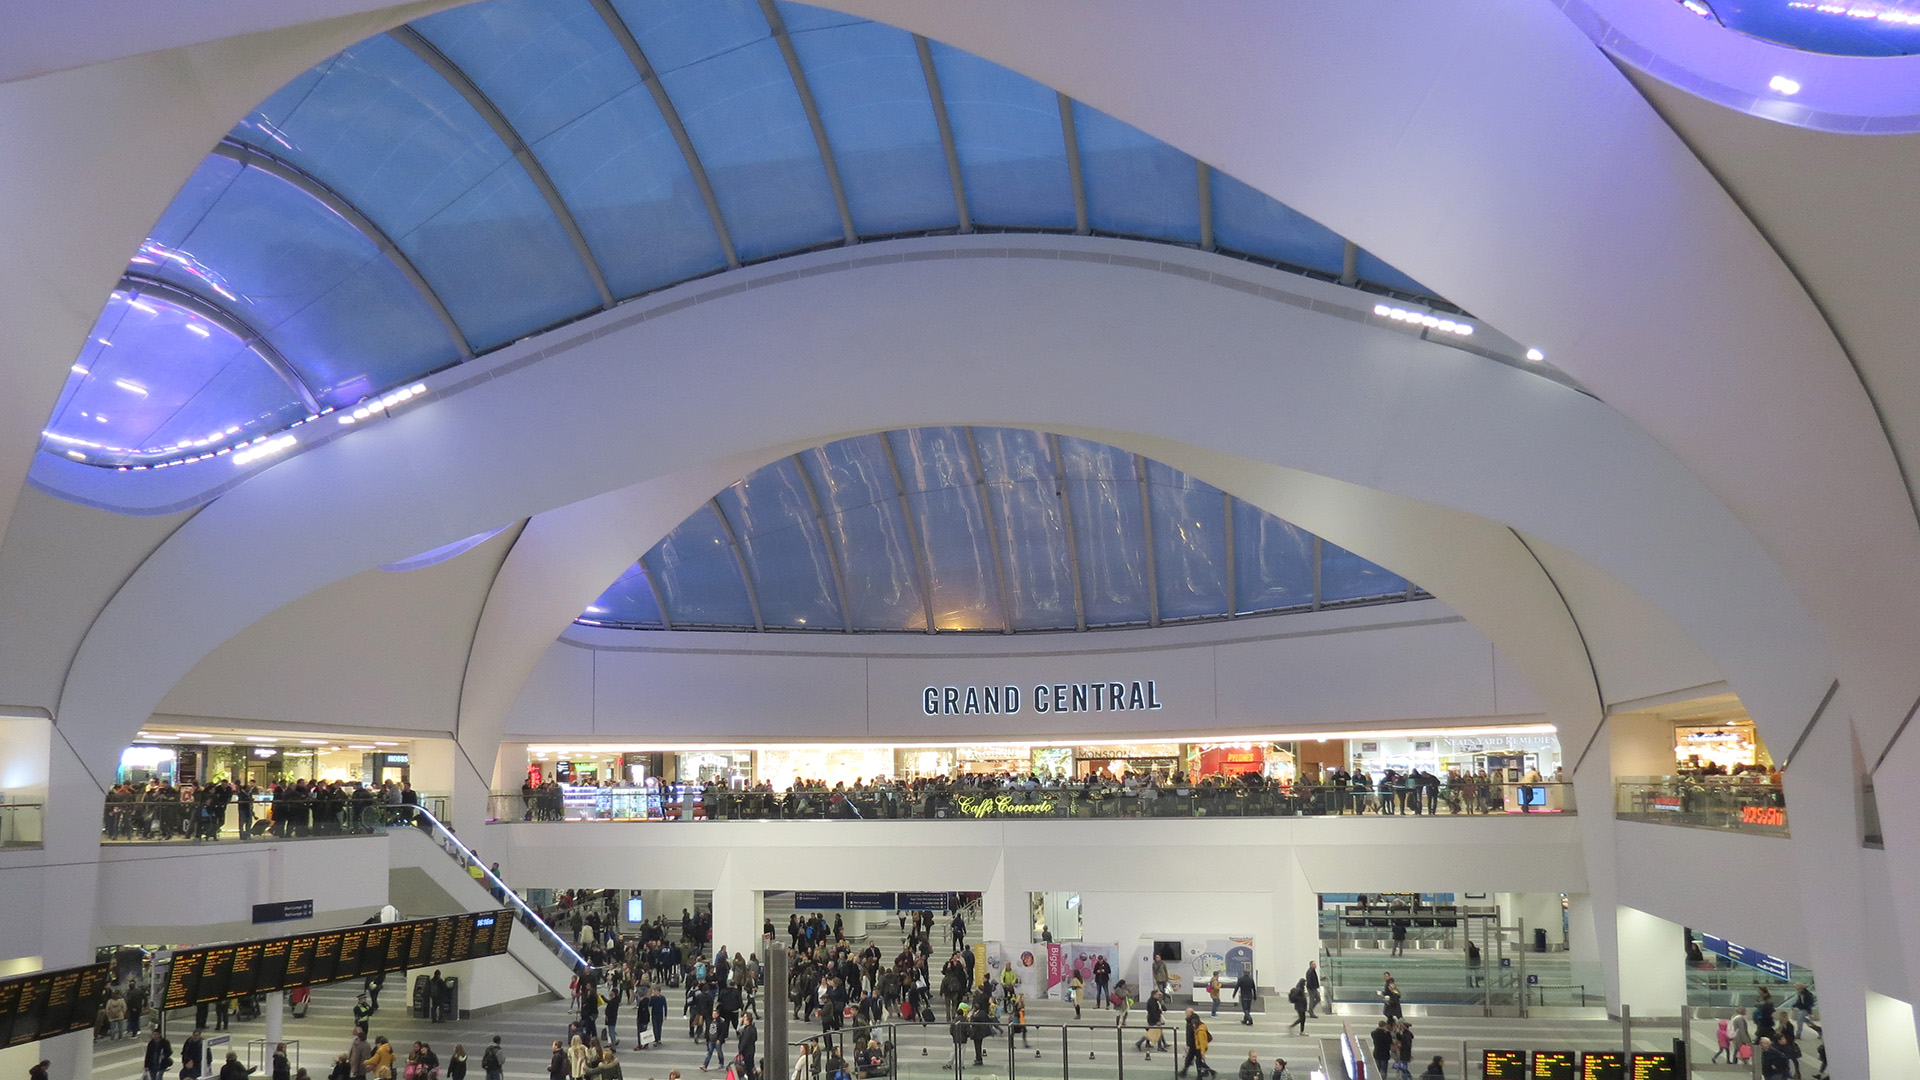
(1138, 695)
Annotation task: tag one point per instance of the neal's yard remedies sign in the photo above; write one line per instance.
(1139, 695)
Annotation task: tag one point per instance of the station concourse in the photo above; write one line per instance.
(1422, 491)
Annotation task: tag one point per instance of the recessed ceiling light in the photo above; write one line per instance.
(1536, 355)
(1780, 84)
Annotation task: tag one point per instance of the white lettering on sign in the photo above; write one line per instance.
(1138, 695)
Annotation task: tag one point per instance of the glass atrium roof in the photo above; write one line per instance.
(500, 168)
(985, 529)
(1835, 27)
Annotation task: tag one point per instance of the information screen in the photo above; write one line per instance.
(1503, 1064)
(1649, 1065)
(261, 967)
(216, 970)
(1603, 1065)
(1555, 1065)
(50, 1003)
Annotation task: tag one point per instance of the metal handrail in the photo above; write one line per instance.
(471, 861)
(690, 802)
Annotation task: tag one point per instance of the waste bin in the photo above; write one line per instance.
(1539, 939)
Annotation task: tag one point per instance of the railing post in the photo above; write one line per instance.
(1120, 1051)
(1626, 1030)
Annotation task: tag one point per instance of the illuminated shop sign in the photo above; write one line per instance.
(1763, 815)
(980, 806)
(1139, 695)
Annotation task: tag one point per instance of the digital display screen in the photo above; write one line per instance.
(261, 967)
(50, 1003)
(1554, 1065)
(216, 968)
(636, 909)
(1603, 1065)
(1649, 1065)
(1503, 1064)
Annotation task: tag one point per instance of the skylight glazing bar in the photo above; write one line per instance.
(913, 531)
(1066, 517)
(313, 188)
(1233, 596)
(1319, 555)
(659, 594)
(1146, 527)
(671, 115)
(1074, 173)
(779, 27)
(993, 531)
(1206, 204)
(740, 560)
(952, 151)
(497, 120)
(833, 549)
(1349, 263)
(141, 285)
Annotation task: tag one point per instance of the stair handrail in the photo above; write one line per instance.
(455, 849)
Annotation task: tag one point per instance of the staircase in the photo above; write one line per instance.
(431, 870)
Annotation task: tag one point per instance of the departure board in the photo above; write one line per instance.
(182, 977)
(246, 968)
(1649, 1065)
(1503, 1064)
(261, 967)
(216, 970)
(1603, 1065)
(1554, 1065)
(50, 1003)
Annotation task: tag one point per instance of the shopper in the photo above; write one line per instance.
(158, 1058)
(1250, 1069)
(493, 1062)
(1245, 990)
(1297, 997)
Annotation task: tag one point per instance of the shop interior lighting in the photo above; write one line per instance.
(1780, 84)
(367, 410)
(1237, 738)
(255, 451)
(359, 747)
(313, 742)
(1427, 319)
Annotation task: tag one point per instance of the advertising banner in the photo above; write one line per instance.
(1080, 955)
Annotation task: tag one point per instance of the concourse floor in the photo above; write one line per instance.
(527, 1031)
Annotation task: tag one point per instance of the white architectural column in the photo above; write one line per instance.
(1652, 963)
(1006, 910)
(1282, 958)
(1892, 1046)
(736, 911)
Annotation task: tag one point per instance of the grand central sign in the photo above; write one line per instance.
(1139, 695)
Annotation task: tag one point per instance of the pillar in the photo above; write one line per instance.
(1652, 963)
(736, 911)
(1006, 911)
(1295, 941)
(1893, 1046)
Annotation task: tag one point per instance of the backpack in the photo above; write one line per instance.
(490, 1059)
(1297, 996)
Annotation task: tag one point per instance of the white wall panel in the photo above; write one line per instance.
(1396, 662)
(206, 893)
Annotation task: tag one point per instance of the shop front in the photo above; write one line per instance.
(1719, 748)
(1157, 761)
(849, 765)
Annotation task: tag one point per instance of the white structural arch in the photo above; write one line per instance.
(1741, 471)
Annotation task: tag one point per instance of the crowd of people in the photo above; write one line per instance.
(158, 810)
(1034, 794)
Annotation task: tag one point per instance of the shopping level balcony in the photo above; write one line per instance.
(1748, 804)
(692, 802)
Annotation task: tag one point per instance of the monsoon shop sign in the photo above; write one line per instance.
(1138, 695)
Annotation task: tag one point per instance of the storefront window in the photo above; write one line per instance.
(920, 763)
(1225, 759)
(828, 765)
(731, 767)
(1156, 760)
(992, 759)
(1719, 748)
(1053, 761)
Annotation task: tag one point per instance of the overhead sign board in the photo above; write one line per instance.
(1753, 958)
(282, 911)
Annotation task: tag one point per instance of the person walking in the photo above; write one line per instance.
(1155, 1037)
(358, 1052)
(1213, 992)
(557, 1062)
(1313, 987)
(1250, 1069)
(158, 1058)
(1077, 989)
(959, 929)
(1390, 999)
(1102, 979)
(747, 1042)
(493, 1061)
(1198, 1038)
(1382, 1046)
(1297, 997)
(1246, 992)
(193, 1055)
